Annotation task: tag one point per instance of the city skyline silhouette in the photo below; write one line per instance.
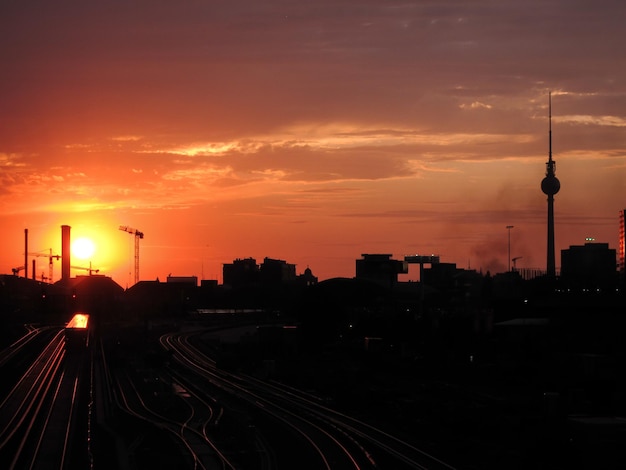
(308, 134)
(237, 200)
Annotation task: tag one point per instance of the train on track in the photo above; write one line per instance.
(77, 333)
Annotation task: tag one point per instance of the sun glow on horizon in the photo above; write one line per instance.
(83, 248)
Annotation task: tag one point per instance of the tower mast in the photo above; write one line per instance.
(550, 185)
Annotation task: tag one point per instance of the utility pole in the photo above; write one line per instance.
(509, 227)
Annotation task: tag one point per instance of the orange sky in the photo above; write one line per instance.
(308, 132)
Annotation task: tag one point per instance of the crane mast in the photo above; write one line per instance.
(89, 269)
(50, 257)
(138, 236)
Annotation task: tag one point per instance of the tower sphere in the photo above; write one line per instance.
(550, 185)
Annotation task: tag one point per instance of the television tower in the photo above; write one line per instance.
(550, 185)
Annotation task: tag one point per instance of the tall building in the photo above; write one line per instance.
(589, 267)
(240, 272)
(550, 185)
(622, 245)
(276, 271)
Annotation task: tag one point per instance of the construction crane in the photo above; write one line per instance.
(50, 258)
(138, 235)
(89, 269)
(17, 270)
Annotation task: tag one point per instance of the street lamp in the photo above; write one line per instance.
(509, 227)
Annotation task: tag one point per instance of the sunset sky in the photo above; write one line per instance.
(308, 131)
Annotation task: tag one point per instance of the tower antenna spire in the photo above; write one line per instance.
(550, 125)
(550, 185)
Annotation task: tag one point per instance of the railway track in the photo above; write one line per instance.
(20, 345)
(19, 356)
(325, 438)
(186, 425)
(185, 411)
(39, 416)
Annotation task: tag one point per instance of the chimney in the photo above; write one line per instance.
(65, 252)
(26, 253)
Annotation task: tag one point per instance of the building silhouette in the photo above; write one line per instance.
(622, 247)
(240, 272)
(276, 271)
(246, 272)
(380, 268)
(189, 280)
(589, 267)
(307, 278)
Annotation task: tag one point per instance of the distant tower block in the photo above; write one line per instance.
(550, 185)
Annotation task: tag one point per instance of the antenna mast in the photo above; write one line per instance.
(550, 125)
(550, 185)
(551, 165)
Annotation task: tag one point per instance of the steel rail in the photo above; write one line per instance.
(189, 389)
(19, 345)
(259, 401)
(346, 425)
(160, 421)
(43, 367)
(352, 423)
(34, 410)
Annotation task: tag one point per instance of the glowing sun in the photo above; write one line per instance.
(83, 248)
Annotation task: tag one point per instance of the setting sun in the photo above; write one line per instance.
(83, 248)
